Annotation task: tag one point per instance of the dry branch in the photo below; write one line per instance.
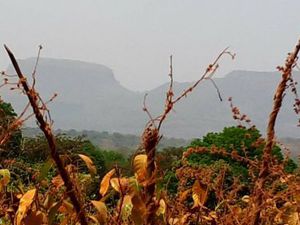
(151, 135)
(277, 102)
(34, 98)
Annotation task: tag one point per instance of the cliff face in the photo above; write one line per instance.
(89, 97)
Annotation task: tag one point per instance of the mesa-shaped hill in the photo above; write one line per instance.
(90, 98)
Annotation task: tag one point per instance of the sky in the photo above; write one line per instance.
(136, 37)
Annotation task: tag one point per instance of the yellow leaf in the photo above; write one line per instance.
(183, 195)
(213, 215)
(127, 200)
(48, 201)
(24, 205)
(133, 186)
(196, 200)
(207, 218)
(105, 182)
(173, 221)
(102, 211)
(140, 167)
(19, 196)
(162, 207)
(199, 194)
(246, 198)
(126, 207)
(290, 214)
(4, 178)
(184, 218)
(89, 163)
(116, 182)
(95, 220)
(293, 219)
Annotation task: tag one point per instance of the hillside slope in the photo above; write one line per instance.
(90, 98)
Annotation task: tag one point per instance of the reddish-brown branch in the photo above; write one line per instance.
(278, 97)
(210, 70)
(145, 109)
(35, 66)
(151, 134)
(277, 102)
(218, 151)
(207, 75)
(45, 127)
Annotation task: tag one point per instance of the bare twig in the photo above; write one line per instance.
(210, 70)
(216, 87)
(238, 116)
(207, 75)
(145, 109)
(35, 66)
(122, 193)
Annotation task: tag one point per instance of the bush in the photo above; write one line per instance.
(247, 142)
(11, 148)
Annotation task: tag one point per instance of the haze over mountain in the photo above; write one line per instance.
(90, 98)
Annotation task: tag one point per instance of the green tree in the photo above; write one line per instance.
(168, 160)
(11, 147)
(36, 150)
(248, 143)
(113, 158)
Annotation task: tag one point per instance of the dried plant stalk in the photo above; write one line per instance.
(150, 141)
(46, 128)
(277, 102)
(151, 135)
(278, 97)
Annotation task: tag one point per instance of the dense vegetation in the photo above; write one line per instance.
(123, 143)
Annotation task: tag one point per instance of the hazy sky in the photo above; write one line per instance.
(136, 37)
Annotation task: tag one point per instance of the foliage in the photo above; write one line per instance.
(169, 158)
(7, 109)
(246, 142)
(113, 158)
(122, 143)
(36, 150)
(168, 161)
(11, 147)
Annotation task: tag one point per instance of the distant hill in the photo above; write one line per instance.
(293, 144)
(90, 98)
